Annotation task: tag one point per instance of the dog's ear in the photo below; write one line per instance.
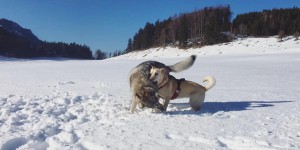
(163, 70)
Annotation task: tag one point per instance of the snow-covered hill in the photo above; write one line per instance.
(77, 104)
(240, 46)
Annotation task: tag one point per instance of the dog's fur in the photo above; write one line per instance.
(168, 85)
(143, 90)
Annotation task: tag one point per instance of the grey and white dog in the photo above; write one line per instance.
(143, 91)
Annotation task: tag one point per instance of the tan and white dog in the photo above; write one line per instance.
(171, 88)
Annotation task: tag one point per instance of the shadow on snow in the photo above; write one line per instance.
(214, 107)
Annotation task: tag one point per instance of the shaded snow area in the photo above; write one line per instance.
(77, 104)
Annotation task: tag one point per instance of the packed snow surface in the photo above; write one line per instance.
(79, 104)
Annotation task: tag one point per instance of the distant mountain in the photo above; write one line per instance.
(16, 41)
(16, 30)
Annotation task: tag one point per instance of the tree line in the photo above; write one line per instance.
(213, 25)
(201, 27)
(99, 54)
(268, 22)
(61, 49)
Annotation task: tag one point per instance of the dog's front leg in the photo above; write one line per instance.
(166, 103)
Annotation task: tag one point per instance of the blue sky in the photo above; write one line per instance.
(108, 24)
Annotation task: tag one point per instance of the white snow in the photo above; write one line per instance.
(76, 104)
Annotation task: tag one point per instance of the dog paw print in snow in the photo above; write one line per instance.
(101, 85)
(66, 83)
(221, 115)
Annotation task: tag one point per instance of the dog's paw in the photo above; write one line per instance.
(156, 110)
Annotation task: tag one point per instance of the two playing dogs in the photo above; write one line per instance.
(151, 80)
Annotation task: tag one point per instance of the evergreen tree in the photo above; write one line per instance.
(147, 36)
(129, 46)
(183, 31)
(99, 55)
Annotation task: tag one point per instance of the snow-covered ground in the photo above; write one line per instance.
(247, 46)
(77, 104)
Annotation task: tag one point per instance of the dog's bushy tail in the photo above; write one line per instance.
(185, 64)
(211, 82)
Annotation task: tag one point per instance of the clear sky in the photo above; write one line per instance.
(108, 24)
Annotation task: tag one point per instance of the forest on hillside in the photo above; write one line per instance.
(201, 27)
(268, 22)
(14, 45)
(213, 25)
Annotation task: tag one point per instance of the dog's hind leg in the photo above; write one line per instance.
(196, 100)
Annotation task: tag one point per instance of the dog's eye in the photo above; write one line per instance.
(156, 74)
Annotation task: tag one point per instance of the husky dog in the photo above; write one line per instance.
(171, 88)
(143, 90)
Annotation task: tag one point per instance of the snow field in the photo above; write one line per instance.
(74, 104)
